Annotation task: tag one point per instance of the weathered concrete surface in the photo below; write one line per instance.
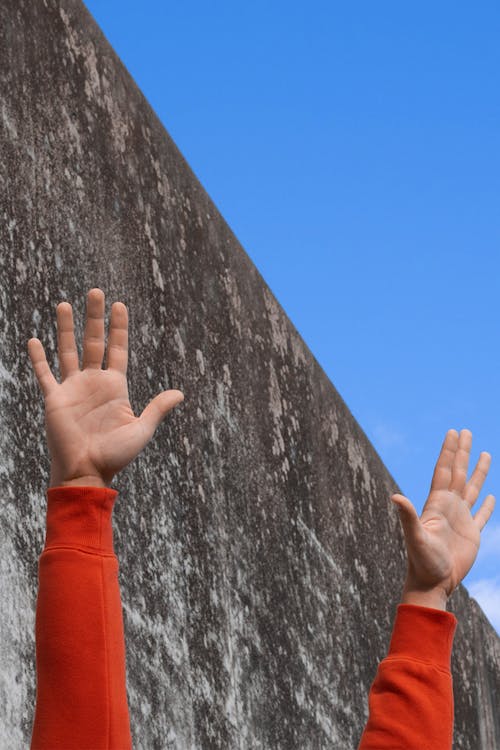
(261, 562)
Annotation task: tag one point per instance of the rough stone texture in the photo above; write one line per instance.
(261, 562)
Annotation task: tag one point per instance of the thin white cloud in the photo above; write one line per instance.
(387, 435)
(486, 592)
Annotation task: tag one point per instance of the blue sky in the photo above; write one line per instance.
(353, 149)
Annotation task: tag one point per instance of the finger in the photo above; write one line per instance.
(117, 353)
(442, 473)
(475, 483)
(41, 367)
(412, 526)
(461, 462)
(158, 408)
(484, 512)
(93, 339)
(66, 347)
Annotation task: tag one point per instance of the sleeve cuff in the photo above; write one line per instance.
(423, 633)
(80, 517)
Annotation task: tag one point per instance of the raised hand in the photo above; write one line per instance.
(92, 432)
(443, 543)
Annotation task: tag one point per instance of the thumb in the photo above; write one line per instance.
(407, 515)
(158, 408)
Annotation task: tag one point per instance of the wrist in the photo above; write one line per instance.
(80, 516)
(83, 481)
(435, 597)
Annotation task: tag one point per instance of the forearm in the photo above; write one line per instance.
(423, 597)
(411, 697)
(80, 650)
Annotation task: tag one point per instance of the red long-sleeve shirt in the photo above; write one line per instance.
(81, 700)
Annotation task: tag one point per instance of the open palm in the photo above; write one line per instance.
(92, 431)
(443, 543)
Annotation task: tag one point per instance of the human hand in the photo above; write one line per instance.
(443, 543)
(92, 432)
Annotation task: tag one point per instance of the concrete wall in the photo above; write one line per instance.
(261, 561)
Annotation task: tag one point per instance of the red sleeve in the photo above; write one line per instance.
(81, 697)
(411, 697)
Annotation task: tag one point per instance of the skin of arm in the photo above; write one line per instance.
(441, 546)
(92, 434)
